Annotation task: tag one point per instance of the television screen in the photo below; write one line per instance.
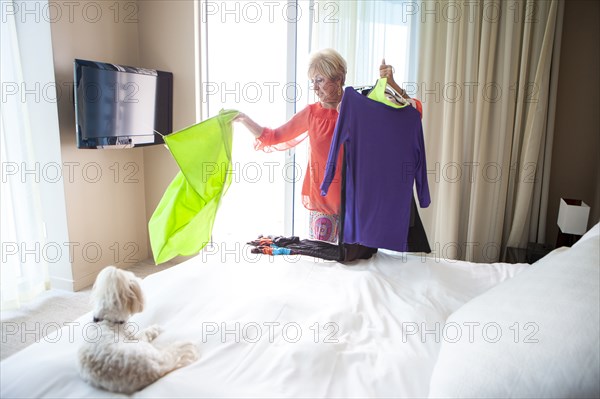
(118, 106)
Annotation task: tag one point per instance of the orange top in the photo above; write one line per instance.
(316, 123)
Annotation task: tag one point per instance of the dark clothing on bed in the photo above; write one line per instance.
(316, 249)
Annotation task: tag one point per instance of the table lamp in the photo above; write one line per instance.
(572, 221)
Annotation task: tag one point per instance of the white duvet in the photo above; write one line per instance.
(283, 327)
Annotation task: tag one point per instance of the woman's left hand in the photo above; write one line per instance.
(387, 71)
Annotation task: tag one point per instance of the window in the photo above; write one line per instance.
(245, 68)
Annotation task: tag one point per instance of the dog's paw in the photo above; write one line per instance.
(152, 332)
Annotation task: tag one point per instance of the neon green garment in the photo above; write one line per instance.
(378, 94)
(183, 220)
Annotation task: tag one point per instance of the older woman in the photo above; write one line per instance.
(327, 71)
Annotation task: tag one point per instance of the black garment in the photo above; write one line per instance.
(417, 238)
(283, 241)
(316, 249)
(353, 252)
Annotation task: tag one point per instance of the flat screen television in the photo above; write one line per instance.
(118, 106)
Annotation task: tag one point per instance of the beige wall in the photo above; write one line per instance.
(575, 157)
(110, 194)
(166, 32)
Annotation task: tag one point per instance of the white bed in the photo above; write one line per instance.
(391, 326)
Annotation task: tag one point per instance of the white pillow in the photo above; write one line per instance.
(537, 334)
(594, 232)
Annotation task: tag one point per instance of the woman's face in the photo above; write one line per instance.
(328, 90)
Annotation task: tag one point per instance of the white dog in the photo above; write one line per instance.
(119, 360)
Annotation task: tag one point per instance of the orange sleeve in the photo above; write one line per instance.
(417, 104)
(286, 136)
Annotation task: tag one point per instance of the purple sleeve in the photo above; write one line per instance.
(339, 136)
(421, 172)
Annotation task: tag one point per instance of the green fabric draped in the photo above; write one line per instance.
(183, 220)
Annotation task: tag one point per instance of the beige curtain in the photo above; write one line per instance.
(487, 79)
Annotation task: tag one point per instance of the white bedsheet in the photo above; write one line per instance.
(313, 328)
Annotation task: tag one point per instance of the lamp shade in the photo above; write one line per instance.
(573, 216)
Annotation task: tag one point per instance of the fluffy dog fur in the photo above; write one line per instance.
(118, 360)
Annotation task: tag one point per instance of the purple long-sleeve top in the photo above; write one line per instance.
(385, 156)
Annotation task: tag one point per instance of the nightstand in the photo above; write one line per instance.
(536, 252)
(515, 255)
(531, 254)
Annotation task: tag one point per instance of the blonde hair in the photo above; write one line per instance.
(328, 63)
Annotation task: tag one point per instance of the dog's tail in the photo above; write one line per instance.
(180, 354)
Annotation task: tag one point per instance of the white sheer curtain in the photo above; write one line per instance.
(28, 106)
(364, 33)
(484, 77)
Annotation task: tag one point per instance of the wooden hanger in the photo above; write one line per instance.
(395, 96)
